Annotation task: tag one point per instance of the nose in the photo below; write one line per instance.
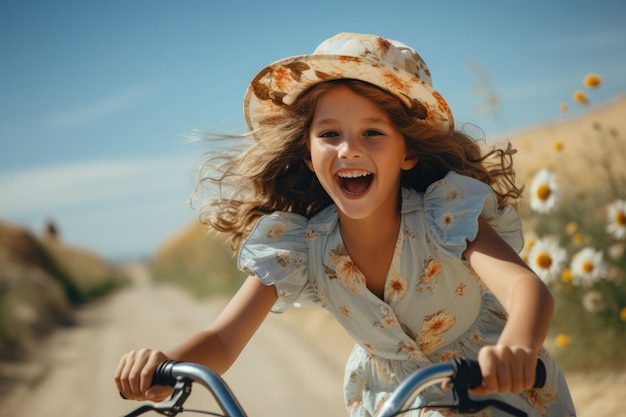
(350, 147)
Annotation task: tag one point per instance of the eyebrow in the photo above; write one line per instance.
(372, 120)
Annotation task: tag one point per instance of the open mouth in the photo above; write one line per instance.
(355, 182)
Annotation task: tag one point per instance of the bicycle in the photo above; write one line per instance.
(463, 374)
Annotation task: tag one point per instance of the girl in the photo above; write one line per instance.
(358, 195)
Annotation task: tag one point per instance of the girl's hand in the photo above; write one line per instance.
(133, 376)
(506, 369)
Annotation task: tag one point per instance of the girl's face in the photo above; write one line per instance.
(357, 154)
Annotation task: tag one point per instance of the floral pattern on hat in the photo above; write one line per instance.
(387, 64)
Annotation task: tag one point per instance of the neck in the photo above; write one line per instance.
(372, 231)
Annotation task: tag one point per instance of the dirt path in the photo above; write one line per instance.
(292, 367)
(278, 374)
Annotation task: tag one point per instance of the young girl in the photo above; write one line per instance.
(358, 195)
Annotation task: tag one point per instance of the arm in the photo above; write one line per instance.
(215, 347)
(509, 366)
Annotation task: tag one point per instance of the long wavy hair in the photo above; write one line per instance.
(265, 170)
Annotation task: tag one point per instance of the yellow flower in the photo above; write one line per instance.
(622, 314)
(578, 238)
(562, 340)
(564, 107)
(592, 81)
(558, 145)
(567, 275)
(580, 97)
(571, 228)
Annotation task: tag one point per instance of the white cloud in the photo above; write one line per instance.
(93, 182)
(102, 108)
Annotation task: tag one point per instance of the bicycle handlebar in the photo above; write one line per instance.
(169, 372)
(464, 373)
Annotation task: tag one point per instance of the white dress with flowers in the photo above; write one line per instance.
(434, 308)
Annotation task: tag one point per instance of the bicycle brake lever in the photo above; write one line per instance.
(171, 406)
(174, 404)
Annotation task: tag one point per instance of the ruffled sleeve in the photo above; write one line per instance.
(453, 205)
(276, 251)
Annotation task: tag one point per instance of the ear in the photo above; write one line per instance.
(410, 160)
(309, 163)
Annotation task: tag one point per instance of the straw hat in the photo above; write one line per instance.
(388, 64)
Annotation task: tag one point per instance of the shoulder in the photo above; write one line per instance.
(453, 206)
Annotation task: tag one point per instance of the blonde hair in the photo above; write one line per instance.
(271, 175)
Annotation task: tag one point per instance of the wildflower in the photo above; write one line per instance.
(571, 228)
(580, 97)
(547, 258)
(544, 191)
(558, 145)
(567, 275)
(578, 239)
(592, 301)
(616, 219)
(592, 80)
(588, 266)
(622, 314)
(562, 340)
(529, 242)
(616, 252)
(564, 107)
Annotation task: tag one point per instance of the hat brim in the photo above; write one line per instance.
(280, 83)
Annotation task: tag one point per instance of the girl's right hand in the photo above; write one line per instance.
(133, 376)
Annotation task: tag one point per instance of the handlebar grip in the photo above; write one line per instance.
(476, 378)
(163, 374)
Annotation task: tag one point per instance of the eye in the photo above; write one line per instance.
(372, 132)
(329, 134)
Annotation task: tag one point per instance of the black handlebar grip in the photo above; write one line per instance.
(475, 378)
(163, 374)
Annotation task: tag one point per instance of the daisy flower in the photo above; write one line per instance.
(616, 219)
(588, 266)
(545, 192)
(547, 259)
(592, 301)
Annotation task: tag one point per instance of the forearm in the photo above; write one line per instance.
(219, 345)
(205, 348)
(530, 308)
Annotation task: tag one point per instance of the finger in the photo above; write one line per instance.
(120, 381)
(158, 393)
(518, 371)
(530, 370)
(487, 363)
(504, 370)
(153, 359)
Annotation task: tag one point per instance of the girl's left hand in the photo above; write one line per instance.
(506, 369)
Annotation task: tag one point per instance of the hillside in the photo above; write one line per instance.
(42, 282)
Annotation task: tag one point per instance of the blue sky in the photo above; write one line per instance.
(98, 99)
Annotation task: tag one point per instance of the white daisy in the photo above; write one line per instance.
(544, 192)
(547, 259)
(592, 301)
(616, 219)
(588, 266)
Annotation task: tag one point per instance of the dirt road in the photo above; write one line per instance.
(278, 374)
(292, 367)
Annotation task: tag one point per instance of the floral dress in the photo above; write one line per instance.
(434, 307)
